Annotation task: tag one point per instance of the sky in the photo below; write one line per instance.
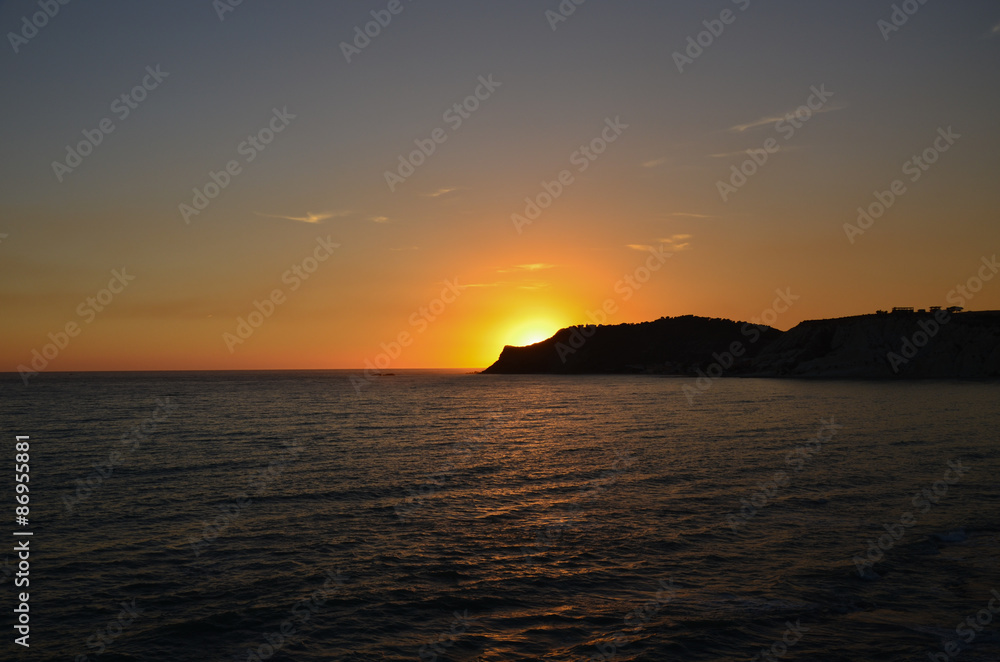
(264, 186)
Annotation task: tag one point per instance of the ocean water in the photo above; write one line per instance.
(442, 516)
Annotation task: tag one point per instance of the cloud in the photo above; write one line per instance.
(687, 215)
(774, 119)
(538, 266)
(654, 162)
(995, 30)
(726, 155)
(406, 248)
(441, 191)
(309, 217)
(379, 219)
(763, 121)
(781, 148)
(677, 242)
(530, 285)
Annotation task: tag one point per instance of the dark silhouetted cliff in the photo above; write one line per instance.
(893, 346)
(907, 345)
(677, 345)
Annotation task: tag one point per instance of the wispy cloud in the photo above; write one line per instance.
(743, 153)
(774, 119)
(654, 162)
(675, 243)
(309, 217)
(531, 285)
(379, 219)
(688, 215)
(441, 191)
(763, 121)
(727, 155)
(537, 266)
(995, 31)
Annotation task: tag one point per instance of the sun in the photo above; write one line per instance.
(513, 322)
(530, 332)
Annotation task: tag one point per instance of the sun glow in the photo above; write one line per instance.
(514, 321)
(530, 332)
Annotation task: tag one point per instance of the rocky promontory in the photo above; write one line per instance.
(964, 345)
(908, 345)
(671, 345)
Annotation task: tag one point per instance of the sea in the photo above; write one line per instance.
(436, 515)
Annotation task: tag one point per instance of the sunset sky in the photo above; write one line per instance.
(437, 254)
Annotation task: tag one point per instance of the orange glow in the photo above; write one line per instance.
(530, 332)
(527, 220)
(514, 317)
